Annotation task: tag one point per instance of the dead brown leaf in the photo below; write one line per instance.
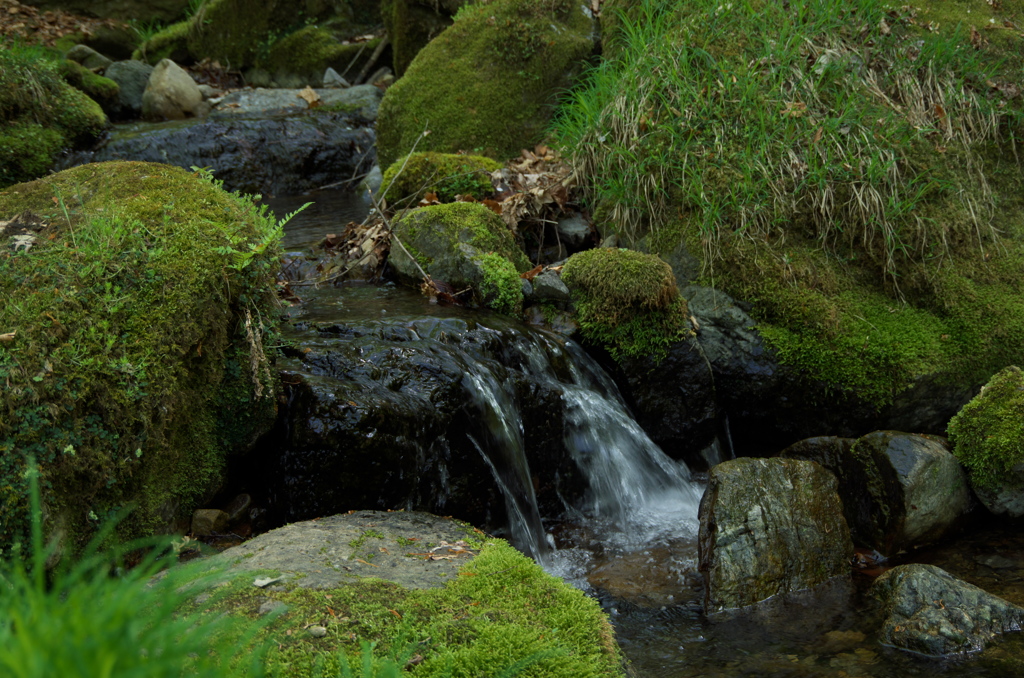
(309, 96)
(8, 336)
(532, 273)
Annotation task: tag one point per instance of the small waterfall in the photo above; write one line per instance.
(504, 453)
(636, 493)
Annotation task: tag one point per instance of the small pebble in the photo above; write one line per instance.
(317, 631)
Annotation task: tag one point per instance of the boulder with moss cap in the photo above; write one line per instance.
(139, 355)
(444, 174)
(626, 301)
(489, 82)
(988, 438)
(464, 245)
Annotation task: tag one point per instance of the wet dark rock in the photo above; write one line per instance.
(931, 612)
(770, 405)
(549, 287)
(269, 156)
(674, 400)
(898, 489)
(132, 78)
(337, 549)
(769, 527)
(383, 414)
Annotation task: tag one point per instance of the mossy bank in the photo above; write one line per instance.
(850, 169)
(137, 323)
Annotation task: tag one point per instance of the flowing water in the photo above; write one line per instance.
(631, 541)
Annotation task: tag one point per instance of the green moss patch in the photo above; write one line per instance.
(168, 43)
(626, 301)
(488, 83)
(138, 328)
(988, 433)
(103, 91)
(444, 174)
(502, 610)
(40, 114)
(850, 168)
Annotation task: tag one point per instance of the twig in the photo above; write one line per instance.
(373, 58)
(401, 169)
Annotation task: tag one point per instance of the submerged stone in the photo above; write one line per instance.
(931, 612)
(769, 527)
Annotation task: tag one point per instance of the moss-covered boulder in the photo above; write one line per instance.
(301, 58)
(464, 245)
(878, 247)
(40, 114)
(168, 43)
(489, 82)
(988, 438)
(444, 174)
(135, 343)
(411, 24)
(103, 91)
(478, 608)
(626, 301)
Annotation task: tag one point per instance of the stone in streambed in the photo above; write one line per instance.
(898, 489)
(171, 94)
(769, 527)
(931, 612)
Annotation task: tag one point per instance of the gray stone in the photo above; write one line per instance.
(210, 92)
(272, 606)
(317, 631)
(931, 612)
(899, 490)
(769, 527)
(209, 521)
(527, 288)
(574, 231)
(360, 100)
(88, 57)
(171, 94)
(1007, 498)
(331, 551)
(132, 78)
(548, 286)
(333, 79)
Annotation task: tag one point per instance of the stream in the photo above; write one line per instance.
(630, 540)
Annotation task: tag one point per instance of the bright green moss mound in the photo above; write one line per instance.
(40, 114)
(988, 433)
(445, 174)
(488, 83)
(626, 301)
(501, 288)
(851, 170)
(141, 318)
(102, 90)
(502, 609)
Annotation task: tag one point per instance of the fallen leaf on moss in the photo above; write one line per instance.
(8, 336)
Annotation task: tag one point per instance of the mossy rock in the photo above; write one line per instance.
(169, 43)
(138, 334)
(300, 59)
(485, 613)
(103, 91)
(444, 174)
(242, 33)
(411, 24)
(626, 301)
(464, 245)
(489, 82)
(988, 439)
(40, 114)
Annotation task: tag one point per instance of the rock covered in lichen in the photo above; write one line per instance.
(988, 438)
(931, 612)
(769, 527)
(489, 82)
(465, 245)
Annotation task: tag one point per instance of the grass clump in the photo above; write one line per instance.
(826, 160)
(503, 615)
(988, 433)
(95, 617)
(139, 329)
(40, 114)
(444, 174)
(626, 301)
